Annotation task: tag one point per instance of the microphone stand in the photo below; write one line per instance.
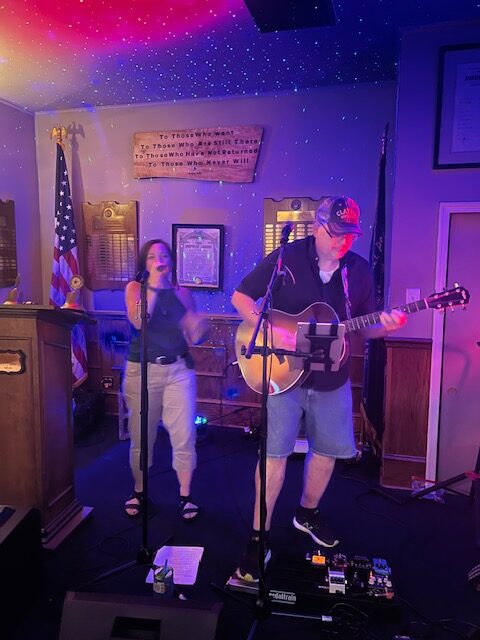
(262, 602)
(144, 554)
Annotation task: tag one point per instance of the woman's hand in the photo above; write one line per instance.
(196, 327)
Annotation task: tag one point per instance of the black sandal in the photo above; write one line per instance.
(188, 510)
(133, 505)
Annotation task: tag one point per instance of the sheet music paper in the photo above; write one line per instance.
(184, 560)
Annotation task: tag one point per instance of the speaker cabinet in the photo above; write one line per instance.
(102, 616)
(271, 15)
(20, 561)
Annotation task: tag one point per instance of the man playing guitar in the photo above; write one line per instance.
(319, 268)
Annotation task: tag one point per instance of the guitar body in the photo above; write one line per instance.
(283, 372)
(286, 372)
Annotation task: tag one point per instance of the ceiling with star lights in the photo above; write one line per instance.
(89, 53)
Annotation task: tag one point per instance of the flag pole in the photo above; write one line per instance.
(371, 407)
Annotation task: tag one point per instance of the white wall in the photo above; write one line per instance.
(418, 187)
(18, 182)
(315, 142)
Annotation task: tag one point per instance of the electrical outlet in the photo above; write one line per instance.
(412, 295)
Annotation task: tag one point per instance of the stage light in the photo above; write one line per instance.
(201, 420)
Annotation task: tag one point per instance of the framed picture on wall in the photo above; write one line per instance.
(198, 255)
(457, 130)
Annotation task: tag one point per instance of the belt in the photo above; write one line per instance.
(167, 359)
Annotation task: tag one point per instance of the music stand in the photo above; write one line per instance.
(320, 345)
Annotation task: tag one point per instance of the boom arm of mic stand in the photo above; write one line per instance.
(264, 307)
(278, 352)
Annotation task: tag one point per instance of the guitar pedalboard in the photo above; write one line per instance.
(316, 583)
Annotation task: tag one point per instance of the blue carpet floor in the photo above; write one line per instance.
(429, 546)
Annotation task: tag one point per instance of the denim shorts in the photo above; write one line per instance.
(325, 415)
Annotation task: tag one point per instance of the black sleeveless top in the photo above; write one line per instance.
(164, 335)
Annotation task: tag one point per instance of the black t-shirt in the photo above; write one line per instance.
(301, 286)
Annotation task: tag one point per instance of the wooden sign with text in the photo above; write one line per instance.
(225, 153)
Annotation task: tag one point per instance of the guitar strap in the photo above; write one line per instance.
(348, 304)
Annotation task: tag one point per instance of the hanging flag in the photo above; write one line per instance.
(377, 245)
(372, 401)
(65, 263)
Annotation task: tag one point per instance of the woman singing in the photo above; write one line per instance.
(172, 320)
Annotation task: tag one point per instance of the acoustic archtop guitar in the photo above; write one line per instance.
(286, 372)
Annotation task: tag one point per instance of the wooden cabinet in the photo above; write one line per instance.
(407, 379)
(36, 438)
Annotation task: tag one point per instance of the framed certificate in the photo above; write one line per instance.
(198, 255)
(457, 130)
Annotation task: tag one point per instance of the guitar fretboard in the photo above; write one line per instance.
(361, 322)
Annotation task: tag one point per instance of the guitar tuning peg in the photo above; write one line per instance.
(456, 285)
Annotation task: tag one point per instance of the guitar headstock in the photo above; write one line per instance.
(458, 296)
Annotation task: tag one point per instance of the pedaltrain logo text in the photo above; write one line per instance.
(285, 597)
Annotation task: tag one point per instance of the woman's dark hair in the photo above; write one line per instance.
(143, 253)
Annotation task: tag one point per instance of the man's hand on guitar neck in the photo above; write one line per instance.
(389, 321)
(393, 320)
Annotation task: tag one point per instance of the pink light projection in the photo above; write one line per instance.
(56, 54)
(49, 49)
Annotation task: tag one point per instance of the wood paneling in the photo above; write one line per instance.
(407, 379)
(107, 345)
(222, 395)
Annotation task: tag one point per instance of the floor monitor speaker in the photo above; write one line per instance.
(102, 616)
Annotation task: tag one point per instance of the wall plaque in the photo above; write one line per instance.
(111, 243)
(226, 154)
(12, 361)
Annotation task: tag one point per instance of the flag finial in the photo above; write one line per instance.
(59, 132)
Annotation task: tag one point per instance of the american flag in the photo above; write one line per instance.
(65, 263)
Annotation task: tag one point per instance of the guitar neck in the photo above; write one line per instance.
(362, 322)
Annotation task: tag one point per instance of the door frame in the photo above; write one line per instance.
(446, 209)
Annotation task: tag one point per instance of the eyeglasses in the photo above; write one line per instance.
(326, 230)
(353, 236)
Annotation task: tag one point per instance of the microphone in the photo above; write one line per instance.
(286, 231)
(142, 276)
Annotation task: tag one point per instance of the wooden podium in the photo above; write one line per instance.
(36, 430)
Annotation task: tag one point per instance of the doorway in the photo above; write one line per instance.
(453, 435)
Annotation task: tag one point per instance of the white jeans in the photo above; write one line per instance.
(171, 399)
